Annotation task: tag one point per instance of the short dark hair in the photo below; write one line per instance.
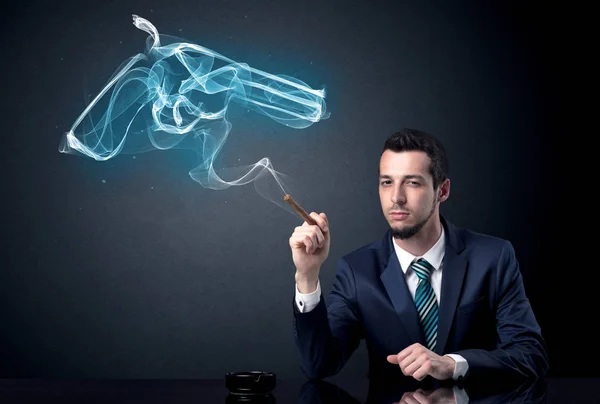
(413, 139)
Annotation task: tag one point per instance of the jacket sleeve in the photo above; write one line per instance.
(327, 336)
(520, 349)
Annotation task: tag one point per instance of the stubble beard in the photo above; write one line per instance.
(408, 232)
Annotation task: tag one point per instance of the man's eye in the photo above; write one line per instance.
(413, 183)
(386, 182)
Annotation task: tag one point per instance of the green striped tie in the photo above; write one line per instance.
(426, 302)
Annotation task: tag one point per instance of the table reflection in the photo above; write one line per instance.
(300, 391)
(322, 392)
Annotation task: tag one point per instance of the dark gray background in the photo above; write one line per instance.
(129, 268)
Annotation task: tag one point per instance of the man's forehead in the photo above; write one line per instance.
(404, 163)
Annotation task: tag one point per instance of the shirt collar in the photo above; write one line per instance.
(434, 255)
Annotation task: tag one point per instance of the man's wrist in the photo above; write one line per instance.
(305, 284)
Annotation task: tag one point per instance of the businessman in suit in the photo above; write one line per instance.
(430, 299)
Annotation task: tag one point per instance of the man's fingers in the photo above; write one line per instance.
(324, 216)
(320, 236)
(422, 371)
(408, 365)
(308, 242)
(297, 240)
(403, 354)
(421, 396)
(303, 241)
(411, 364)
(400, 356)
(313, 233)
(321, 221)
(407, 398)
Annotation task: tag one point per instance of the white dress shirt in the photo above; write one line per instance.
(435, 256)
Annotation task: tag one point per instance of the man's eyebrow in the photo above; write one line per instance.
(406, 177)
(414, 176)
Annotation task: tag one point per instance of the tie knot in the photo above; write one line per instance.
(422, 268)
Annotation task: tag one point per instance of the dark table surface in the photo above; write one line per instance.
(552, 390)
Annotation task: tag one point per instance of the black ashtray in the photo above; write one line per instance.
(253, 383)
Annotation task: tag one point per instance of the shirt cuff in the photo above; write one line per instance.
(308, 301)
(461, 366)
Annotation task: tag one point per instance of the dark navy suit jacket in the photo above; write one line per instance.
(484, 314)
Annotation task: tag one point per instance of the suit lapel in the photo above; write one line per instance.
(454, 268)
(397, 290)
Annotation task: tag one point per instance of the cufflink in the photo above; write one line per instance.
(300, 303)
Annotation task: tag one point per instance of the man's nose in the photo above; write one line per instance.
(398, 196)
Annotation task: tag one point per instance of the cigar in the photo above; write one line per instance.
(288, 198)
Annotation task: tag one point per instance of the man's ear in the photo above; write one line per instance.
(444, 190)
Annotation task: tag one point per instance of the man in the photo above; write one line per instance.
(430, 298)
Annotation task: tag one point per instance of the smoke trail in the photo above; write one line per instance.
(160, 99)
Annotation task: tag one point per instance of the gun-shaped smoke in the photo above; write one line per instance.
(160, 99)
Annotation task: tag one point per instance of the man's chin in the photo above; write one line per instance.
(398, 229)
(405, 232)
